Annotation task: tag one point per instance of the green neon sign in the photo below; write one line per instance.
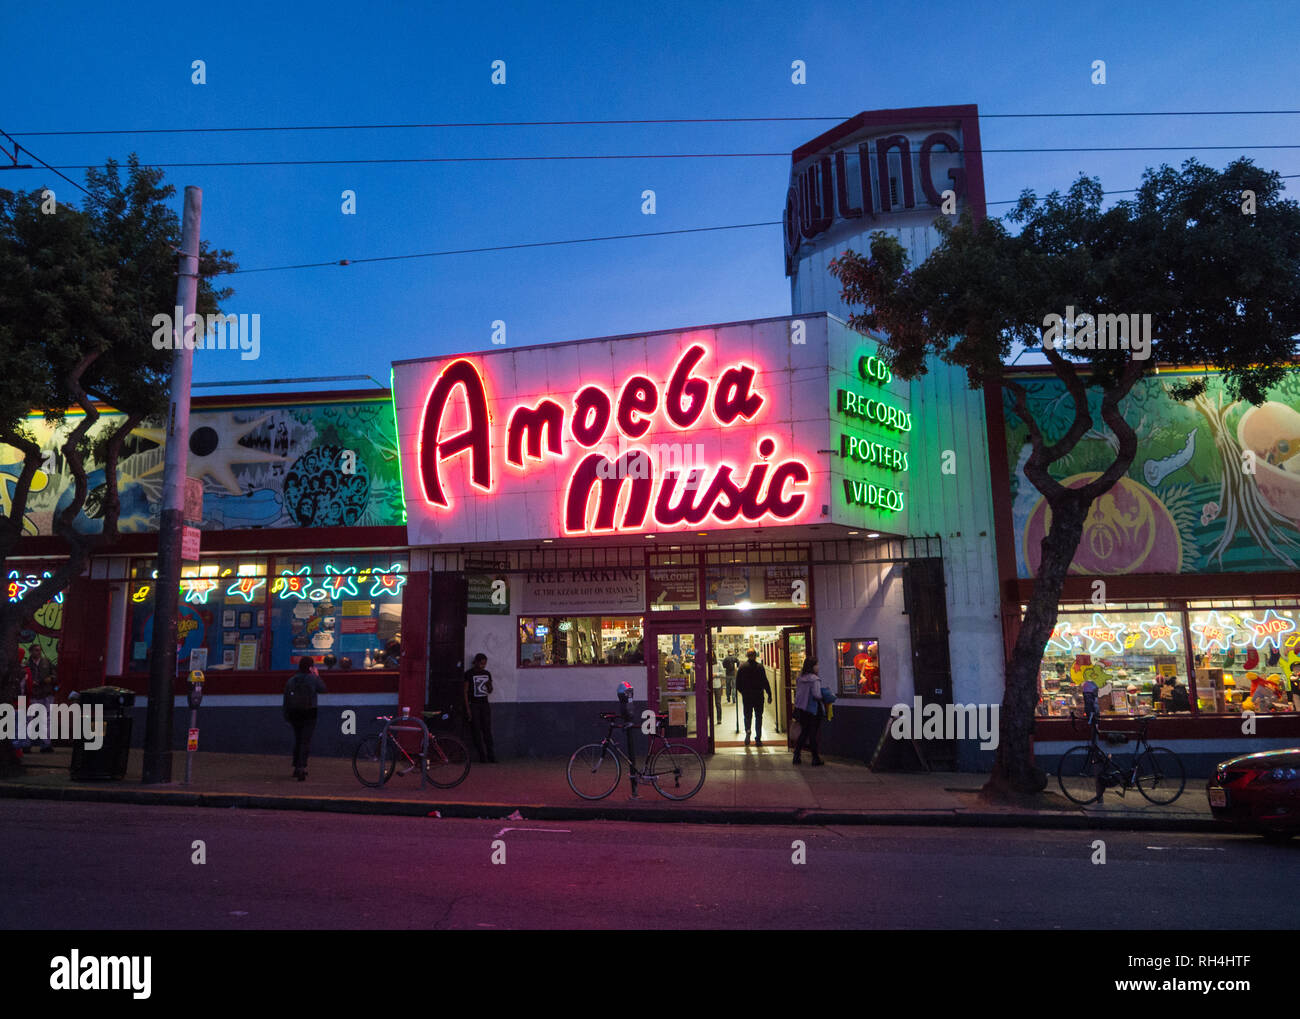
(865, 493)
(869, 409)
(877, 454)
(874, 370)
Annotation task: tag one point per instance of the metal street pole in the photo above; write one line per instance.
(162, 663)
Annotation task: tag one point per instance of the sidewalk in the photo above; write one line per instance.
(741, 787)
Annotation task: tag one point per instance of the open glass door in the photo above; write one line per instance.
(679, 680)
(795, 642)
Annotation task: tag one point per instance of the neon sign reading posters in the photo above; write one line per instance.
(613, 490)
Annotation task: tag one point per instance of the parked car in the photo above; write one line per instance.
(1258, 792)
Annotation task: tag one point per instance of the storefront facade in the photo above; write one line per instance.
(643, 508)
(1184, 596)
(303, 551)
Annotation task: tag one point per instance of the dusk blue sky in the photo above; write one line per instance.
(95, 66)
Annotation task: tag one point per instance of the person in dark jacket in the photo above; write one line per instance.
(808, 709)
(300, 695)
(478, 685)
(751, 684)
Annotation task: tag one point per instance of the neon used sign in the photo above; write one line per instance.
(768, 490)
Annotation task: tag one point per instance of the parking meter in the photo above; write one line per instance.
(192, 743)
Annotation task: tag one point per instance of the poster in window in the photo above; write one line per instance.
(261, 618)
(228, 618)
(228, 658)
(247, 655)
(246, 620)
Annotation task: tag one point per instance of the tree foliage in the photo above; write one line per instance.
(1213, 257)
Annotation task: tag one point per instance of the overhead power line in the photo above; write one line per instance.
(48, 166)
(582, 240)
(624, 121)
(657, 155)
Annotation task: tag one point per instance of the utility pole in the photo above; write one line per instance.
(162, 664)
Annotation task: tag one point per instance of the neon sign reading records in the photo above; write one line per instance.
(768, 490)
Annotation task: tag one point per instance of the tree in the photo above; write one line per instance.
(1213, 257)
(78, 292)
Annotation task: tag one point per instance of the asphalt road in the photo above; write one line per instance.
(114, 867)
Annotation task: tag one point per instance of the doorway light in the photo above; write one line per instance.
(744, 606)
(873, 534)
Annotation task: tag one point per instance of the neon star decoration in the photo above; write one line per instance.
(1159, 632)
(1269, 630)
(340, 582)
(1060, 638)
(294, 585)
(388, 581)
(245, 587)
(19, 586)
(1214, 633)
(1102, 634)
(198, 589)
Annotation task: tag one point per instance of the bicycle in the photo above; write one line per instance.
(445, 760)
(1086, 772)
(595, 769)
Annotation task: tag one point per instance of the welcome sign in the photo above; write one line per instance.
(709, 430)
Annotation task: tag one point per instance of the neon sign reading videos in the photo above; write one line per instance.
(768, 490)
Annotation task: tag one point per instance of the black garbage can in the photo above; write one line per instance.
(109, 759)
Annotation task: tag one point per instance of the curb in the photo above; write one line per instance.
(656, 813)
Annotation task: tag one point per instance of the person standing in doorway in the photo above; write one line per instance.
(808, 708)
(300, 705)
(752, 684)
(43, 687)
(729, 666)
(478, 686)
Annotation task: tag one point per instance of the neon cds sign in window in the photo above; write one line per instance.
(604, 444)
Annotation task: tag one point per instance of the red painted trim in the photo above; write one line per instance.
(1176, 587)
(261, 682)
(1280, 726)
(263, 540)
(921, 116)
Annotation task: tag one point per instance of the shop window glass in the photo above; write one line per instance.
(758, 586)
(858, 665)
(222, 608)
(1136, 658)
(1245, 658)
(345, 610)
(580, 640)
(42, 626)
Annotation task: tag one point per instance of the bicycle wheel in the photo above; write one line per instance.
(1160, 776)
(594, 771)
(446, 764)
(365, 763)
(1079, 775)
(678, 769)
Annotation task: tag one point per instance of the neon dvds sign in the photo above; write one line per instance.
(610, 490)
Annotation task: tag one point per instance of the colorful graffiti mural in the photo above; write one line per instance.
(1214, 488)
(321, 464)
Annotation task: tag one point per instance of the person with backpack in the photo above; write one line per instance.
(300, 695)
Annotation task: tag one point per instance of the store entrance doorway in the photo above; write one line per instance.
(781, 651)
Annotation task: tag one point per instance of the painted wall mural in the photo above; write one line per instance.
(1189, 503)
(320, 464)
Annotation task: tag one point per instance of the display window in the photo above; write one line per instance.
(42, 627)
(1246, 655)
(858, 666)
(580, 640)
(1136, 655)
(262, 612)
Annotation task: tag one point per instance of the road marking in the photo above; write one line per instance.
(1203, 849)
(556, 831)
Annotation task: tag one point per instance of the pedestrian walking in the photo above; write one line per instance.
(752, 684)
(478, 686)
(300, 703)
(43, 687)
(808, 709)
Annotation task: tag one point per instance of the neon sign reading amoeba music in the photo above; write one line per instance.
(767, 491)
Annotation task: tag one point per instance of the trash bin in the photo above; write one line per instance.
(109, 760)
